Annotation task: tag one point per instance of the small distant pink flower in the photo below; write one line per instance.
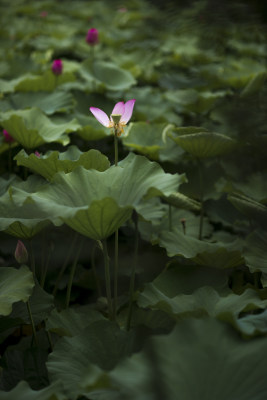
(43, 14)
(37, 154)
(7, 137)
(21, 254)
(122, 9)
(57, 67)
(92, 36)
(121, 114)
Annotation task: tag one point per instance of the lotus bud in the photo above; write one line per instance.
(7, 137)
(57, 67)
(92, 36)
(183, 222)
(21, 254)
(37, 154)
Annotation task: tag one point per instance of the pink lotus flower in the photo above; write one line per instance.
(92, 36)
(7, 137)
(120, 115)
(21, 254)
(37, 154)
(57, 67)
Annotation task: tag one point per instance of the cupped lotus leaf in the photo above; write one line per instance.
(97, 203)
(22, 221)
(217, 255)
(107, 74)
(88, 356)
(253, 210)
(58, 101)
(15, 285)
(205, 144)
(32, 128)
(71, 322)
(199, 359)
(52, 162)
(255, 251)
(24, 392)
(204, 301)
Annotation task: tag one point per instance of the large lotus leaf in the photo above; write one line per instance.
(255, 251)
(23, 221)
(91, 129)
(98, 347)
(5, 183)
(107, 74)
(53, 161)
(179, 200)
(205, 144)
(204, 300)
(58, 101)
(217, 255)
(32, 128)
(199, 359)
(253, 187)
(41, 305)
(71, 322)
(96, 203)
(15, 285)
(145, 138)
(253, 324)
(46, 82)
(254, 84)
(175, 219)
(23, 392)
(255, 211)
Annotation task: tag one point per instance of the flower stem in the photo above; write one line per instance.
(132, 281)
(116, 146)
(32, 258)
(107, 278)
(116, 272)
(9, 159)
(98, 287)
(32, 323)
(201, 200)
(72, 273)
(64, 266)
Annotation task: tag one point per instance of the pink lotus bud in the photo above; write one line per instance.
(21, 254)
(92, 36)
(37, 154)
(57, 67)
(7, 137)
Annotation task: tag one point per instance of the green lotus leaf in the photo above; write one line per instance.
(255, 251)
(15, 285)
(31, 128)
(217, 255)
(24, 392)
(254, 84)
(91, 129)
(41, 305)
(179, 218)
(179, 200)
(204, 301)
(205, 144)
(71, 322)
(23, 221)
(5, 183)
(107, 74)
(89, 355)
(253, 324)
(46, 82)
(53, 161)
(144, 138)
(206, 352)
(251, 208)
(97, 203)
(58, 101)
